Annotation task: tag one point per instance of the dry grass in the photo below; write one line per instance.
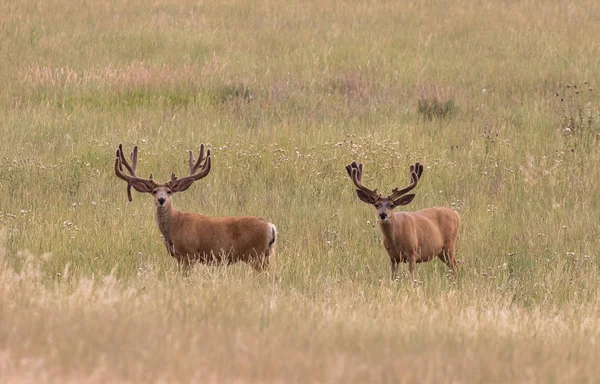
(286, 94)
(436, 102)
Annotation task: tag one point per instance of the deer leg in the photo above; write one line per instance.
(448, 257)
(394, 260)
(452, 257)
(169, 246)
(394, 269)
(185, 264)
(443, 255)
(412, 260)
(260, 263)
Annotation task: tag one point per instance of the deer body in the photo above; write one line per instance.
(416, 237)
(410, 237)
(191, 237)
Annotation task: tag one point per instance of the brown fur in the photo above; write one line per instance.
(410, 237)
(190, 237)
(416, 237)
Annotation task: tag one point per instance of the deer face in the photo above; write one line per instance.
(384, 205)
(160, 192)
(162, 195)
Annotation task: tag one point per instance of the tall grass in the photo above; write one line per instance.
(286, 94)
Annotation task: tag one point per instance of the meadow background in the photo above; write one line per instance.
(286, 93)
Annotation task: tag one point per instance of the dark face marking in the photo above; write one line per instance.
(162, 195)
(384, 208)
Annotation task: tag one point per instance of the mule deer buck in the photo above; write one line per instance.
(190, 237)
(412, 237)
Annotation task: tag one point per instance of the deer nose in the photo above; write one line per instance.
(161, 200)
(383, 215)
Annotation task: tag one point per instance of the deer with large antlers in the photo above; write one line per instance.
(190, 237)
(410, 237)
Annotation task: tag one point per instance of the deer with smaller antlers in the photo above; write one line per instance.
(191, 237)
(410, 237)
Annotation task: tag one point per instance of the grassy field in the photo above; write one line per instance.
(498, 99)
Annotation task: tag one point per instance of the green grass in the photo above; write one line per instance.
(286, 94)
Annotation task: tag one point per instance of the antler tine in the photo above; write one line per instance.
(121, 162)
(124, 162)
(419, 169)
(202, 163)
(198, 169)
(200, 160)
(355, 167)
(416, 170)
(355, 171)
(134, 156)
(131, 168)
(119, 171)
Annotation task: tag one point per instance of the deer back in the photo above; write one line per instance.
(426, 232)
(242, 237)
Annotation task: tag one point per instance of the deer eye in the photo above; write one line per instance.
(154, 192)
(169, 192)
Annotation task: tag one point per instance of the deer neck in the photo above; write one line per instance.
(165, 218)
(387, 227)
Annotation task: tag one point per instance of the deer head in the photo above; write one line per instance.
(161, 192)
(384, 205)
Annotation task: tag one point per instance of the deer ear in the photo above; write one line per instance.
(365, 197)
(406, 199)
(181, 185)
(140, 186)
